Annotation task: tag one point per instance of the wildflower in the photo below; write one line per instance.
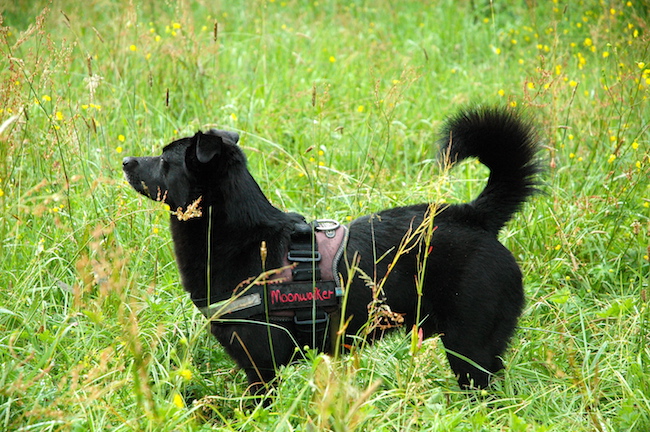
(513, 104)
(46, 98)
(611, 159)
(501, 92)
(178, 401)
(530, 85)
(635, 145)
(176, 25)
(119, 149)
(360, 108)
(605, 54)
(332, 59)
(233, 116)
(572, 155)
(186, 374)
(641, 65)
(588, 42)
(121, 138)
(572, 83)
(58, 115)
(133, 48)
(2, 193)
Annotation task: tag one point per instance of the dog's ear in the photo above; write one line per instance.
(208, 145)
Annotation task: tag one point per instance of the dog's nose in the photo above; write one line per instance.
(129, 162)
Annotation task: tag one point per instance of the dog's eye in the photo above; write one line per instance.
(164, 164)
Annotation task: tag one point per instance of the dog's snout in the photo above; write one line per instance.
(129, 162)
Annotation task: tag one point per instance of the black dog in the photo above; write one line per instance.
(226, 234)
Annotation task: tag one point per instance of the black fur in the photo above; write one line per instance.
(472, 292)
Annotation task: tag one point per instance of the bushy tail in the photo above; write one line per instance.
(507, 144)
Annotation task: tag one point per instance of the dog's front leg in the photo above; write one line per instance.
(258, 348)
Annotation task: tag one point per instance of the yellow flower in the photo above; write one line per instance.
(635, 145)
(58, 115)
(2, 193)
(501, 92)
(133, 48)
(186, 374)
(611, 159)
(233, 116)
(46, 98)
(119, 149)
(588, 42)
(572, 83)
(530, 85)
(360, 108)
(121, 138)
(332, 59)
(178, 401)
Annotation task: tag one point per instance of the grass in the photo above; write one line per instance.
(337, 105)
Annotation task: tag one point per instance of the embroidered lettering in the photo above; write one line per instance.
(277, 296)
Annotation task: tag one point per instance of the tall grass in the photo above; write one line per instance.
(337, 105)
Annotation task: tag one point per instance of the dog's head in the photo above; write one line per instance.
(187, 167)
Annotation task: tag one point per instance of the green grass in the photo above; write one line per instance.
(338, 106)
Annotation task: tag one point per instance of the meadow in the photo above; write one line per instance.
(338, 105)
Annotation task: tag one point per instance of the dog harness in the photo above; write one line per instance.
(306, 292)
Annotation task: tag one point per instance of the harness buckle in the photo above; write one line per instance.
(312, 319)
(303, 256)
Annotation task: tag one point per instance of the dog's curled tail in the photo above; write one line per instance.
(507, 144)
